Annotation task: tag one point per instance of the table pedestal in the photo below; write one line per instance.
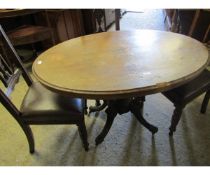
(114, 107)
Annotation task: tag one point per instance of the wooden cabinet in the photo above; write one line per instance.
(67, 23)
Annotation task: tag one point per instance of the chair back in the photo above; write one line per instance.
(98, 15)
(98, 18)
(11, 68)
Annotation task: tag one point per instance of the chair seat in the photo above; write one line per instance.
(191, 90)
(40, 104)
(29, 34)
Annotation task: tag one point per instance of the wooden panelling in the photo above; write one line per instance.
(67, 23)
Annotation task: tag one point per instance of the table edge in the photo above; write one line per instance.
(158, 88)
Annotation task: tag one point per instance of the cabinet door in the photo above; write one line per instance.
(67, 24)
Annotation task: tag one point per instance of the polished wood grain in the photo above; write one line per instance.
(120, 64)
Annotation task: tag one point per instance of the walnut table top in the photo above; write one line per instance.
(120, 64)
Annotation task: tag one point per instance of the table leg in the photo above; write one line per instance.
(122, 106)
(111, 114)
(137, 111)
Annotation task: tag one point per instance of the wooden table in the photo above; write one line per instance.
(120, 67)
(6, 13)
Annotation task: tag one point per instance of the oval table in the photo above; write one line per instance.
(121, 67)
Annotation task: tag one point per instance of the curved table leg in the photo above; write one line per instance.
(122, 106)
(111, 114)
(135, 108)
(97, 108)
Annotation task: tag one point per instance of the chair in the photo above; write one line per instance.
(186, 93)
(39, 106)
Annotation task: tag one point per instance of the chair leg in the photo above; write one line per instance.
(111, 114)
(85, 106)
(83, 135)
(29, 135)
(175, 119)
(205, 102)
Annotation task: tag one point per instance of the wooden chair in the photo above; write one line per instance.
(39, 106)
(186, 93)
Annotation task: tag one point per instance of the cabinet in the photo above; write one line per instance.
(66, 23)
